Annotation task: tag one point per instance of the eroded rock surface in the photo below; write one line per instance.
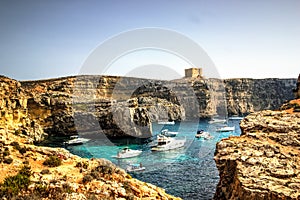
(124, 106)
(264, 162)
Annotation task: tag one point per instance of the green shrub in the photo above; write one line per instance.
(85, 165)
(17, 132)
(67, 188)
(78, 164)
(52, 161)
(45, 171)
(22, 150)
(17, 146)
(127, 186)
(8, 160)
(26, 162)
(14, 144)
(12, 185)
(87, 178)
(6, 153)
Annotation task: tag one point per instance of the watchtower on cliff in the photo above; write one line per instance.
(193, 73)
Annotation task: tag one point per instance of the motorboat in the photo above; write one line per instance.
(168, 133)
(167, 143)
(76, 140)
(203, 134)
(166, 122)
(128, 153)
(216, 121)
(235, 118)
(226, 129)
(135, 168)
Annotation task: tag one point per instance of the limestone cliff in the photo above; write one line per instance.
(14, 114)
(112, 105)
(263, 163)
(65, 106)
(297, 89)
(89, 103)
(249, 95)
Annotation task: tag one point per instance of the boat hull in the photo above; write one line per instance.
(128, 155)
(175, 145)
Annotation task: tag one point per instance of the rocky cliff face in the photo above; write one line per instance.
(65, 106)
(14, 114)
(90, 103)
(263, 163)
(249, 95)
(297, 89)
(111, 105)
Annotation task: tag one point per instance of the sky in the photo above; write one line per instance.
(244, 39)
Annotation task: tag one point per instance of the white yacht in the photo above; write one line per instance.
(226, 129)
(76, 140)
(216, 121)
(167, 143)
(166, 122)
(127, 153)
(235, 118)
(203, 134)
(135, 168)
(168, 133)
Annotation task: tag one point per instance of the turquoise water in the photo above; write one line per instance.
(189, 172)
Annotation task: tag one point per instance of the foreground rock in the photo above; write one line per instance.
(264, 162)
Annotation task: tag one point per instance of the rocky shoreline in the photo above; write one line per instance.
(263, 163)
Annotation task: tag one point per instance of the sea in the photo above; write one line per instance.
(189, 172)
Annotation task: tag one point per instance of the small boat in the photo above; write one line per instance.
(235, 118)
(166, 122)
(135, 168)
(215, 121)
(76, 140)
(203, 134)
(167, 143)
(168, 133)
(226, 129)
(127, 153)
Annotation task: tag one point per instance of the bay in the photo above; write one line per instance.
(189, 172)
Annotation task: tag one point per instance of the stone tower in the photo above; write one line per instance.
(193, 72)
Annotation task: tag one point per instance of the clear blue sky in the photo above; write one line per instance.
(43, 39)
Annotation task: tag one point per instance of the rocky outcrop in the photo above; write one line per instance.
(263, 163)
(245, 96)
(14, 114)
(297, 89)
